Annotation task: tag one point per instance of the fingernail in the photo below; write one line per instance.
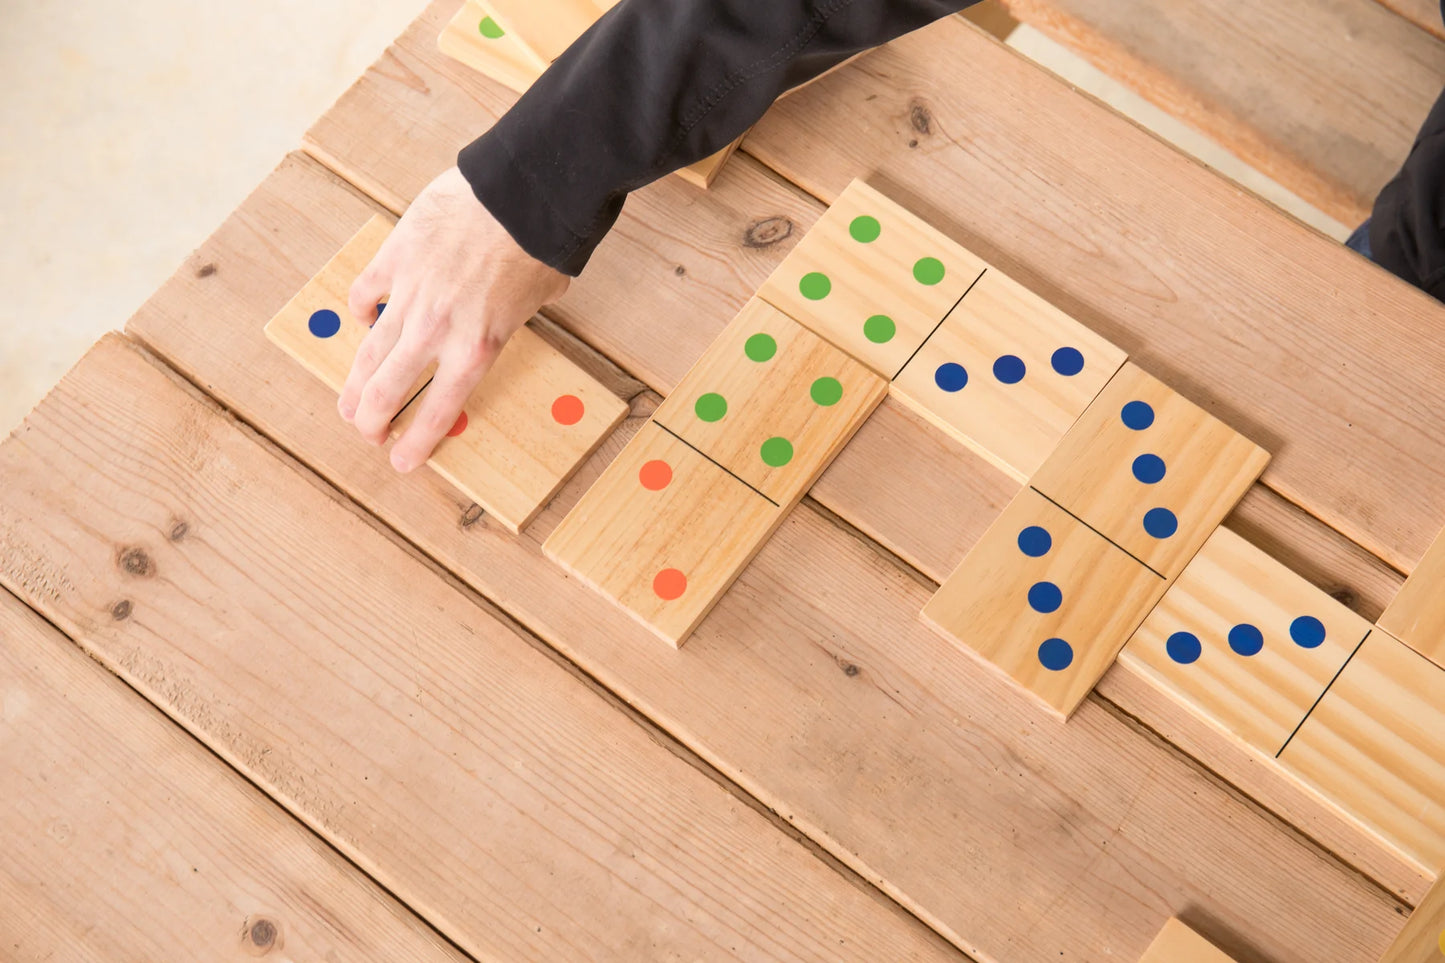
(347, 411)
(400, 463)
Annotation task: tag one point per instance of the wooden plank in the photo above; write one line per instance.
(488, 787)
(1007, 374)
(1177, 943)
(1424, 14)
(125, 839)
(872, 278)
(1423, 938)
(522, 432)
(673, 255)
(1244, 642)
(1150, 470)
(1417, 615)
(1156, 253)
(1045, 600)
(771, 402)
(1324, 98)
(1375, 748)
(664, 532)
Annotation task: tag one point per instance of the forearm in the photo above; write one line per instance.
(654, 86)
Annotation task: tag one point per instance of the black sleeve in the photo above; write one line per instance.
(653, 86)
(1407, 227)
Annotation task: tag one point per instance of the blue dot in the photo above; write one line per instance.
(1045, 597)
(1160, 522)
(1009, 369)
(950, 376)
(1149, 469)
(1035, 541)
(1246, 639)
(1184, 647)
(1137, 415)
(1307, 631)
(1068, 361)
(324, 323)
(380, 307)
(1056, 655)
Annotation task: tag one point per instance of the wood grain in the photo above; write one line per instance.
(1423, 938)
(1323, 97)
(1177, 943)
(1300, 344)
(1045, 600)
(1417, 615)
(1424, 14)
(771, 402)
(1102, 471)
(469, 773)
(1016, 417)
(1375, 748)
(125, 839)
(664, 532)
(862, 291)
(1256, 689)
(813, 684)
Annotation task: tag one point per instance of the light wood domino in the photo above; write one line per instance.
(1096, 471)
(1423, 938)
(771, 402)
(1417, 615)
(663, 532)
(1177, 943)
(1056, 654)
(855, 279)
(523, 431)
(1007, 373)
(1244, 643)
(1375, 748)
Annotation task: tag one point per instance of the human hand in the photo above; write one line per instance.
(457, 286)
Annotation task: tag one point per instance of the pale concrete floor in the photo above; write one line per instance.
(133, 131)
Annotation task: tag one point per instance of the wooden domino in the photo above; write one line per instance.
(663, 532)
(1177, 943)
(1007, 374)
(1416, 616)
(534, 418)
(532, 421)
(1150, 470)
(546, 28)
(1423, 938)
(771, 402)
(478, 38)
(1244, 643)
(872, 278)
(1374, 748)
(1045, 600)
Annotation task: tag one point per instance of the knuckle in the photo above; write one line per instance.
(379, 397)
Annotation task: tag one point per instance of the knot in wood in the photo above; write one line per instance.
(135, 561)
(179, 531)
(120, 611)
(920, 118)
(767, 232)
(260, 935)
(471, 516)
(206, 270)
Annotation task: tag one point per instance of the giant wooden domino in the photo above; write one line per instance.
(535, 417)
(1423, 938)
(514, 41)
(1177, 943)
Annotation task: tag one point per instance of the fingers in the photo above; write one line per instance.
(455, 380)
(370, 286)
(390, 386)
(375, 348)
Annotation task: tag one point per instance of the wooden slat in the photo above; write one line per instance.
(124, 839)
(1289, 338)
(813, 683)
(522, 814)
(1417, 615)
(1424, 14)
(675, 256)
(1423, 938)
(1323, 97)
(1177, 943)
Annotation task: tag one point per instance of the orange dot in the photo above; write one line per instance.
(669, 584)
(459, 427)
(567, 410)
(655, 475)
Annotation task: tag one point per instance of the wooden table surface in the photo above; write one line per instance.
(333, 712)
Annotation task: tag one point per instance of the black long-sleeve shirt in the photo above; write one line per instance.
(653, 86)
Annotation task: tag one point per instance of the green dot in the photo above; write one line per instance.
(491, 29)
(815, 286)
(711, 407)
(760, 347)
(827, 391)
(865, 229)
(879, 329)
(928, 270)
(777, 452)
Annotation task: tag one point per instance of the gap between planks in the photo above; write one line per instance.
(641, 406)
